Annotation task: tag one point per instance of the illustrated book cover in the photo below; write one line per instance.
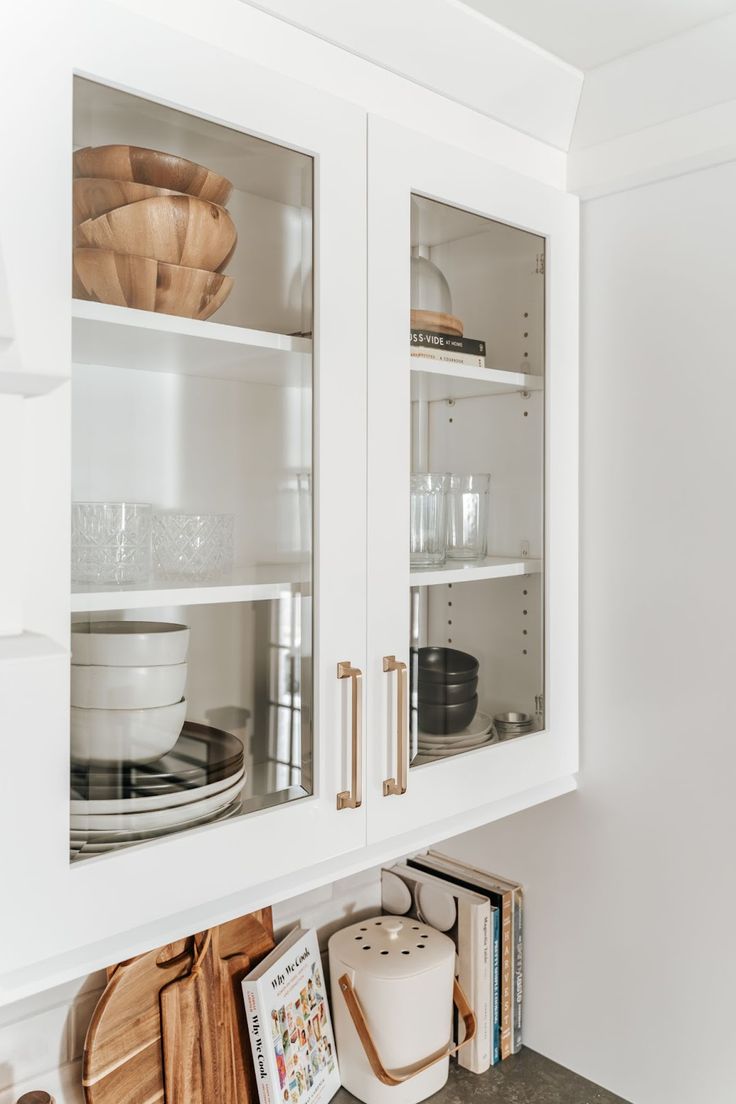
(289, 1024)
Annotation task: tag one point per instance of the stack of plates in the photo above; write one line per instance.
(199, 781)
(478, 734)
(509, 725)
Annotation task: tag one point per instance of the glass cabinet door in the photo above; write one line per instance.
(472, 495)
(192, 462)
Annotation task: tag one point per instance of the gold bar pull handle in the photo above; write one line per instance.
(353, 798)
(397, 785)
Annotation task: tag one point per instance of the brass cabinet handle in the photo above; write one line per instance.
(353, 798)
(397, 785)
(397, 1077)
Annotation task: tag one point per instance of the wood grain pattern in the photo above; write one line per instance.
(205, 1041)
(176, 229)
(244, 1088)
(95, 196)
(146, 166)
(103, 276)
(193, 1022)
(124, 1052)
(437, 322)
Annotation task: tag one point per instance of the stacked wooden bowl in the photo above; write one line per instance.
(150, 231)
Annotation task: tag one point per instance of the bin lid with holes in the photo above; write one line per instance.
(391, 947)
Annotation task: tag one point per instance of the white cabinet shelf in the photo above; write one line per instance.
(121, 337)
(434, 381)
(250, 584)
(492, 567)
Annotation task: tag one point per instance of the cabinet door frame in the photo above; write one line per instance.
(401, 162)
(163, 886)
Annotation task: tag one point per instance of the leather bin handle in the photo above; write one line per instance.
(397, 1077)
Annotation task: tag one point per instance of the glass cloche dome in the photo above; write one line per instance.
(429, 288)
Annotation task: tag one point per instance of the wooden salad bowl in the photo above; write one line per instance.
(146, 166)
(128, 280)
(95, 196)
(176, 229)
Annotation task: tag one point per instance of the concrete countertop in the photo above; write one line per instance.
(525, 1078)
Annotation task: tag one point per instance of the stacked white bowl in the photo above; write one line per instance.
(127, 692)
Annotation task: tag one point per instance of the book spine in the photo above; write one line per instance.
(443, 356)
(260, 1041)
(506, 956)
(426, 339)
(475, 981)
(496, 988)
(518, 966)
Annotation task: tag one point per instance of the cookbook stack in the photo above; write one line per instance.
(483, 914)
(444, 343)
(150, 231)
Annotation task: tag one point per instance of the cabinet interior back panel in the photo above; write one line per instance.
(196, 445)
(488, 620)
(271, 266)
(503, 435)
(107, 116)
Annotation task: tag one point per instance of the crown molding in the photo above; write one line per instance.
(667, 109)
(454, 50)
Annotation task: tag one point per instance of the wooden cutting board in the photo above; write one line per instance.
(123, 1053)
(206, 1050)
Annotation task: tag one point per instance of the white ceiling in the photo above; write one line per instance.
(587, 33)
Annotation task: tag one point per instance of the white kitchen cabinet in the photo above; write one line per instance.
(272, 412)
(507, 248)
(233, 415)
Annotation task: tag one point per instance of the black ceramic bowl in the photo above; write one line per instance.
(446, 665)
(444, 720)
(446, 693)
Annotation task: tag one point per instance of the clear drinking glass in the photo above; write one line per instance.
(427, 512)
(111, 542)
(195, 546)
(467, 516)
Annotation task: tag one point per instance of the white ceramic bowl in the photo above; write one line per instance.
(128, 687)
(129, 643)
(113, 736)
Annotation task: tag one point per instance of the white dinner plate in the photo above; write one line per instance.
(480, 725)
(157, 818)
(428, 756)
(185, 796)
(78, 837)
(101, 848)
(448, 743)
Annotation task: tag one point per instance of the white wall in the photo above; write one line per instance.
(631, 881)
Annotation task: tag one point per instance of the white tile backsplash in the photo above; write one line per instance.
(38, 1042)
(42, 1037)
(64, 1085)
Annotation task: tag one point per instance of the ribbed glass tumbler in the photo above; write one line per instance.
(192, 546)
(467, 517)
(111, 542)
(427, 526)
